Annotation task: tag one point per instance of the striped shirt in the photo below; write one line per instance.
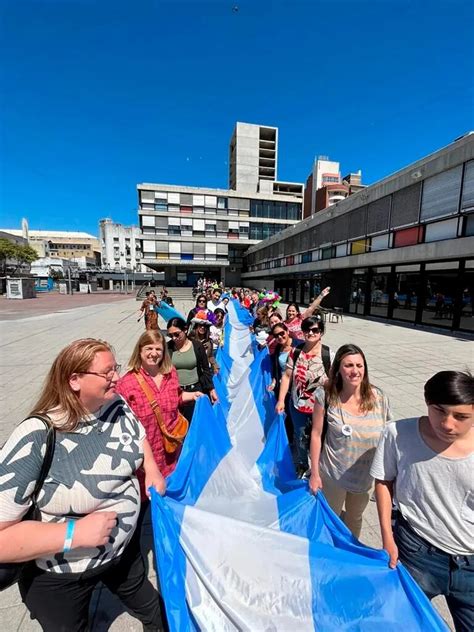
(351, 441)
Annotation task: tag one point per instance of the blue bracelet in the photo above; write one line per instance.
(71, 525)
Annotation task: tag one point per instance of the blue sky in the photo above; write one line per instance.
(98, 95)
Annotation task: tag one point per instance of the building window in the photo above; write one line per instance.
(408, 237)
(222, 202)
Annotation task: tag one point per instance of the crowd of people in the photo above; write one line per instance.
(115, 436)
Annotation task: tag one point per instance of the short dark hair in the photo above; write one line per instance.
(179, 323)
(219, 311)
(311, 321)
(452, 388)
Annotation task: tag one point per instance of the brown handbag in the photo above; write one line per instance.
(171, 439)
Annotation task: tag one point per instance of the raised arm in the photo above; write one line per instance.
(316, 303)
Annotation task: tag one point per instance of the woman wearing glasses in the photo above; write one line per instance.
(191, 362)
(90, 499)
(280, 348)
(357, 413)
(201, 306)
(200, 331)
(307, 368)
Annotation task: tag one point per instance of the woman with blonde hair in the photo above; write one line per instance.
(348, 418)
(152, 378)
(89, 501)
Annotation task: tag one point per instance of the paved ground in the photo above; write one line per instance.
(53, 302)
(400, 360)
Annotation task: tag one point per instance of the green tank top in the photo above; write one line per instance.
(185, 363)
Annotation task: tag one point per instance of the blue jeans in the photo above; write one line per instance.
(439, 573)
(300, 454)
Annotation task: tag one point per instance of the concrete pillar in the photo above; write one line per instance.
(111, 285)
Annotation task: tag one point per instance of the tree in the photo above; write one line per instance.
(14, 255)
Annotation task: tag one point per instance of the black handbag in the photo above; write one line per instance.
(10, 572)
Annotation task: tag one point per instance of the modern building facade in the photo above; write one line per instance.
(188, 232)
(401, 249)
(121, 246)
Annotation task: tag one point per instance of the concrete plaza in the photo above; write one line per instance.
(400, 360)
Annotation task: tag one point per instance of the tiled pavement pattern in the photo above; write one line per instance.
(400, 360)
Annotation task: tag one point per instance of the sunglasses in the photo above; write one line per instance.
(203, 300)
(177, 335)
(312, 330)
(280, 334)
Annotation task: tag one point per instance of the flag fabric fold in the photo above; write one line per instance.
(241, 545)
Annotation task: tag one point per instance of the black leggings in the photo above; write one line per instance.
(61, 603)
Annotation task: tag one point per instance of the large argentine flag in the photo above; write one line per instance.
(241, 545)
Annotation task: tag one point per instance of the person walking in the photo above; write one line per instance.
(425, 465)
(90, 499)
(348, 418)
(151, 374)
(307, 368)
(190, 360)
(148, 310)
(201, 332)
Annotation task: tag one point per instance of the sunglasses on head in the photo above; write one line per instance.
(313, 330)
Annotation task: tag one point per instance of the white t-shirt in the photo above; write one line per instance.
(93, 469)
(211, 306)
(433, 492)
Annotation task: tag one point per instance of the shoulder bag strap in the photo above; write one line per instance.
(153, 403)
(296, 355)
(326, 358)
(48, 456)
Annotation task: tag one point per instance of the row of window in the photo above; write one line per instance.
(445, 195)
(185, 256)
(435, 231)
(200, 228)
(53, 246)
(191, 210)
(189, 204)
(275, 210)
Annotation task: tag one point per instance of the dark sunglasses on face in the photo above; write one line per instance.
(313, 330)
(280, 334)
(176, 335)
(202, 300)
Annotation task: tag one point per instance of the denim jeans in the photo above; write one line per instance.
(300, 454)
(439, 573)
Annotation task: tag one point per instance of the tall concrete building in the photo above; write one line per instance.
(192, 231)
